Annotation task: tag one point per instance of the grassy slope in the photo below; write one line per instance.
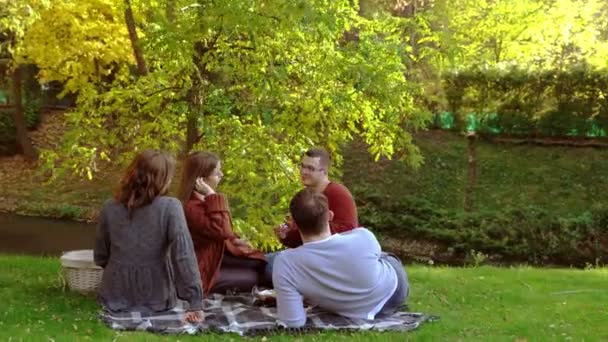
(566, 181)
(474, 304)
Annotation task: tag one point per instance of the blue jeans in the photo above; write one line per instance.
(269, 266)
(402, 291)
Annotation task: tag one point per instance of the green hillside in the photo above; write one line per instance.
(531, 204)
(563, 180)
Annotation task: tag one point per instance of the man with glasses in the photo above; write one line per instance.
(314, 173)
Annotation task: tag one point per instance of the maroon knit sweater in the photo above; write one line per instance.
(210, 225)
(341, 202)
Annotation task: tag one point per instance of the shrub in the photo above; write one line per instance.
(7, 127)
(520, 102)
(524, 234)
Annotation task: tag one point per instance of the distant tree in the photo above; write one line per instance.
(15, 18)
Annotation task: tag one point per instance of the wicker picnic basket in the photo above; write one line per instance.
(80, 271)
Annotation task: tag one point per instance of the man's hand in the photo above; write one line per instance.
(281, 231)
(195, 316)
(241, 242)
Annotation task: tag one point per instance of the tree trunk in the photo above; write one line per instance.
(414, 33)
(472, 172)
(23, 140)
(196, 96)
(170, 12)
(139, 56)
(192, 134)
(192, 131)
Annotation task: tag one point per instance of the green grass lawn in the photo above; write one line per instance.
(485, 303)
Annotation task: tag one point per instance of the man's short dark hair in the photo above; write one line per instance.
(322, 154)
(310, 211)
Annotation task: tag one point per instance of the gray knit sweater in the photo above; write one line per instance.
(148, 259)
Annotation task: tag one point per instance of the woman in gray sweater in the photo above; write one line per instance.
(144, 245)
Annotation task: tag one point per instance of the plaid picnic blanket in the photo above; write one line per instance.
(240, 314)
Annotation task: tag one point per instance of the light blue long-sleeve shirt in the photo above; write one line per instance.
(343, 274)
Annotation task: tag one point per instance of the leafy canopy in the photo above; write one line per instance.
(257, 81)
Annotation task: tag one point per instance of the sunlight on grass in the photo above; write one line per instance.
(484, 303)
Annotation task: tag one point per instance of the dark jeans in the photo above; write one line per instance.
(239, 274)
(269, 267)
(399, 298)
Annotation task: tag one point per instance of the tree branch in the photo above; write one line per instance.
(163, 90)
(139, 56)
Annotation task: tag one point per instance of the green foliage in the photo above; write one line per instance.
(525, 234)
(54, 210)
(522, 192)
(259, 82)
(561, 180)
(7, 133)
(15, 19)
(78, 43)
(477, 258)
(454, 35)
(256, 82)
(7, 125)
(538, 33)
(517, 101)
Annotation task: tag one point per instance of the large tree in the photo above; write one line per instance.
(256, 81)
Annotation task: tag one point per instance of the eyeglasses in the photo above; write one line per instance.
(309, 168)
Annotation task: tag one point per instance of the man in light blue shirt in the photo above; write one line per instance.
(343, 273)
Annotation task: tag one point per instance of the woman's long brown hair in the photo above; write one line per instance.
(146, 178)
(197, 164)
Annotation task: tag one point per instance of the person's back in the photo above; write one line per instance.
(344, 274)
(144, 246)
(139, 240)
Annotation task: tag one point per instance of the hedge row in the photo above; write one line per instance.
(519, 102)
(526, 234)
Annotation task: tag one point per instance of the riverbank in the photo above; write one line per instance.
(26, 192)
(474, 304)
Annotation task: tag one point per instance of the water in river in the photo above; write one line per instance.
(43, 236)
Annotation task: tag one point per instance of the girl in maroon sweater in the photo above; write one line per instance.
(225, 261)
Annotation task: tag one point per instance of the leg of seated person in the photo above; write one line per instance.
(268, 270)
(236, 279)
(232, 261)
(238, 274)
(403, 289)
